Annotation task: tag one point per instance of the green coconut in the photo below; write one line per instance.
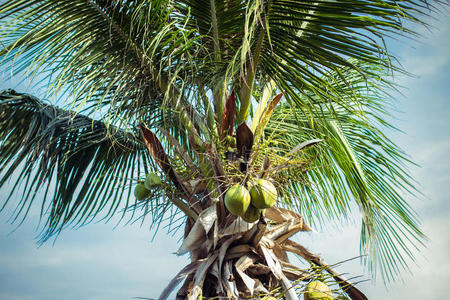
(341, 298)
(317, 290)
(152, 180)
(140, 192)
(230, 140)
(263, 194)
(252, 214)
(237, 199)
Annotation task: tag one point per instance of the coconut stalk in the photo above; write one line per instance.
(230, 257)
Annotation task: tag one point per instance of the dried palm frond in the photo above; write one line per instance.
(250, 258)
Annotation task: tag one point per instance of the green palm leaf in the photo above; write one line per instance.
(105, 57)
(355, 162)
(92, 165)
(309, 39)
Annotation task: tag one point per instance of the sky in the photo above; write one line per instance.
(101, 261)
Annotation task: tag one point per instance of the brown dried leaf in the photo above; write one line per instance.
(239, 251)
(275, 267)
(159, 155)
(272, 262)
(266, 242)
(216, 231)
(259, 287)
(223, 250)
(188, 227)
(190, 268)
(245, 261)
(281, 215)
(194, 240)
(185, 288)
(229, 282)
(249, 234)
(199, 231)
(288, 288)
(241, 265)
(248, 281)
(226, 126)
(285, 230)
(215, 271)
(298, 249)
(244, 144)
(260, 232)
(280, 253)
(254, 235)
(237, 226)
(259, 269)
(290, 232)
(200, 277)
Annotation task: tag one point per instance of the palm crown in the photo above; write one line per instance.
(193, 72)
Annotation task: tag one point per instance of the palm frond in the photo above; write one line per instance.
(356, 162)
(309, 39)
(94, 166)
(107, 56)
(294, 43)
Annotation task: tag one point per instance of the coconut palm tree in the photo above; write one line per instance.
(209, 95)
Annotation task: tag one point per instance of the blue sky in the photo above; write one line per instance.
(99, 262)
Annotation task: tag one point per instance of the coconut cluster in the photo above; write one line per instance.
(249, 205)
(143, 189)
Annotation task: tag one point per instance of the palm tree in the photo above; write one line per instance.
(209, 94)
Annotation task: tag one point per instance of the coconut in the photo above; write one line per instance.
(317, 290)
(263, 194)
(230, 140)
(237, 199)
(341, 298)
(140, 192)
(152, 180)
(252, 214)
